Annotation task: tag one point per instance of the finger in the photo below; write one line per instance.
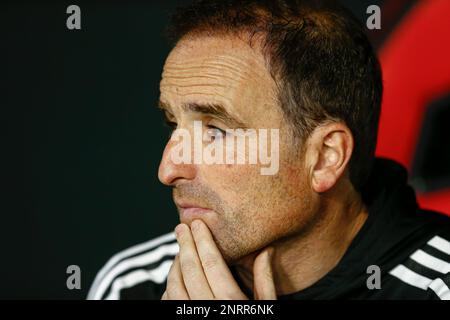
(219, 276)
(175, 289)
(264, 286)
(191, 268)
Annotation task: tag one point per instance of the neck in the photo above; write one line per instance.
(301, 260)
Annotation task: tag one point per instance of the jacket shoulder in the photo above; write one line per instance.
(426, 272)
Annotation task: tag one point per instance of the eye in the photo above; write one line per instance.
(215, 133)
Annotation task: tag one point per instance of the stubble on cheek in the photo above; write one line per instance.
(249, 223)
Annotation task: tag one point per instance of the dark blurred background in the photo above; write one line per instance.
(83, 137)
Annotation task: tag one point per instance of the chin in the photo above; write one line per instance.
(231, 253)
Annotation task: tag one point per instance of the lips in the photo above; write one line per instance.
(191, 210)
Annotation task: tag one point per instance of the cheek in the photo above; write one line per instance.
(280, 204)
(243, 187)
(261, 209)
(233, 183)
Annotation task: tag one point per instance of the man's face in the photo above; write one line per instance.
(244, 209)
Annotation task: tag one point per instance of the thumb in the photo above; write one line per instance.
(263, 284)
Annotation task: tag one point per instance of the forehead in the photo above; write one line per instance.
(225, 71)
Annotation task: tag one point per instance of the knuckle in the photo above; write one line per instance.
(210, 261)
(267, 276)
(189, 265)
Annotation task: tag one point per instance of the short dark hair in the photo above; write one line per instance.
(319, 55)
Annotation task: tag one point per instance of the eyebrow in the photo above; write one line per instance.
(215, 110)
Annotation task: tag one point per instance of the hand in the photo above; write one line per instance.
(200, 272)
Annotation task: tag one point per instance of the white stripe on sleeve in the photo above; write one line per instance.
(414, 279)
(134, 262)
(431, 262)
(440, 243)
(133, 278)
(124, 254)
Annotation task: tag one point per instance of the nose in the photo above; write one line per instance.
(170, 173)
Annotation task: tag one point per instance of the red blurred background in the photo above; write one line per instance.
(415, 117)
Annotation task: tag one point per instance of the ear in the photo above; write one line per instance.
(329, 150)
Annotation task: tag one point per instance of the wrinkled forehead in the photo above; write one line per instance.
(224, 71)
